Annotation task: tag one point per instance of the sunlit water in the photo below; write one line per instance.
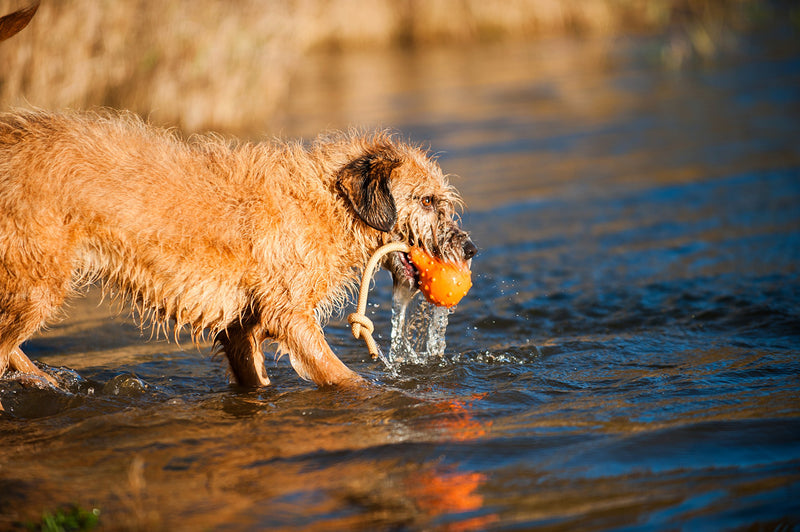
(418, 331)
(628, 358)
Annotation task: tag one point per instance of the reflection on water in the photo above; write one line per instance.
(627, 357)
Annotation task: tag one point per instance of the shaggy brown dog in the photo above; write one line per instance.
(250, 242)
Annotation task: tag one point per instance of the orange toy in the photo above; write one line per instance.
(442, 283)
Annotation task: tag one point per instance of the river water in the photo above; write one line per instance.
(628, 358)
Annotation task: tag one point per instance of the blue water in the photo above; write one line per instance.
(628, 358)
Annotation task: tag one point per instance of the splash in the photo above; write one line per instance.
(418, 330)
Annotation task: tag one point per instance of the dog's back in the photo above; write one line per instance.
(104, 196)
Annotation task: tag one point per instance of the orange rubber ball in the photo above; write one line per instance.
(442, 283)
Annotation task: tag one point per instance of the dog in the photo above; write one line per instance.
(247, 242)
(13, 23)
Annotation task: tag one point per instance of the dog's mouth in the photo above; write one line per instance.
(404, 273)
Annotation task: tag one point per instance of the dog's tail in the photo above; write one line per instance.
(14, 22)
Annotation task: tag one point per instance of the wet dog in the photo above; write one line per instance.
(246, 242)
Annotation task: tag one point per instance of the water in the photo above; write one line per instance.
(418, 331)
(628, 356)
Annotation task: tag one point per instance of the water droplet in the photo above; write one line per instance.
(418, 332)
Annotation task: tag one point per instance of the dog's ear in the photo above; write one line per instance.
(365, 184)
(14, 22)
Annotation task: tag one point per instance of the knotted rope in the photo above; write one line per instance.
(360, 325)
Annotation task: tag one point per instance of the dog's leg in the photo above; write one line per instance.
(311, 356)
(241, 343)
(20, 362)
(29, 294)
(16, 360)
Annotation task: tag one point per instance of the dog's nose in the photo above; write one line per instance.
(469, 249)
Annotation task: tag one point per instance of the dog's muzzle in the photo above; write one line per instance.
(405, 274)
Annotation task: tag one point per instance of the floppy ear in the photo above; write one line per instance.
(365, 184)
(14, 22)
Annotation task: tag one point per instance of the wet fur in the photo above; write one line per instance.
(247, 242)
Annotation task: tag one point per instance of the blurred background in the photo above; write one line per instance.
(233, 66)
(628, 356)
(294, 68)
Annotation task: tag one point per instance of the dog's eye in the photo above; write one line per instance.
(427, 201)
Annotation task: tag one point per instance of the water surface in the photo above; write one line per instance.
(628, 357)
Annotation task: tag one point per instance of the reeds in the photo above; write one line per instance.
(227, 65)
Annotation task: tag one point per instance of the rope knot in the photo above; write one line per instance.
(357, 321)
(360, 325)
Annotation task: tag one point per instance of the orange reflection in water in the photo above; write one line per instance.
(438, 492)
(443, 490)
(457, 421)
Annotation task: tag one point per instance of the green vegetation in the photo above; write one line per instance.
(68, 519)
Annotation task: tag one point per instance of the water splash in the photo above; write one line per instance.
(418, 330)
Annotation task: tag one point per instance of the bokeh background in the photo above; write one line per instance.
(231, 66)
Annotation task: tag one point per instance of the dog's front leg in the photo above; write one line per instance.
(311, 356)
(241, 343)
(18, 361)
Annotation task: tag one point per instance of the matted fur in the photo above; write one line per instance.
(248, 242)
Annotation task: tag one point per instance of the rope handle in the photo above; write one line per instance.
(360, 325)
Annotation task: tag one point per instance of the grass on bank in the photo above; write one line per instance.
(227, 65)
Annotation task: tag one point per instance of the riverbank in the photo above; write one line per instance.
(228, 66)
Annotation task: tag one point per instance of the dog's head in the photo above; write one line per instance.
(400, 191)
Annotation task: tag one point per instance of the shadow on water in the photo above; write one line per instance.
(627, 358)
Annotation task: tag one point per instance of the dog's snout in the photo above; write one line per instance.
(469, 249)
